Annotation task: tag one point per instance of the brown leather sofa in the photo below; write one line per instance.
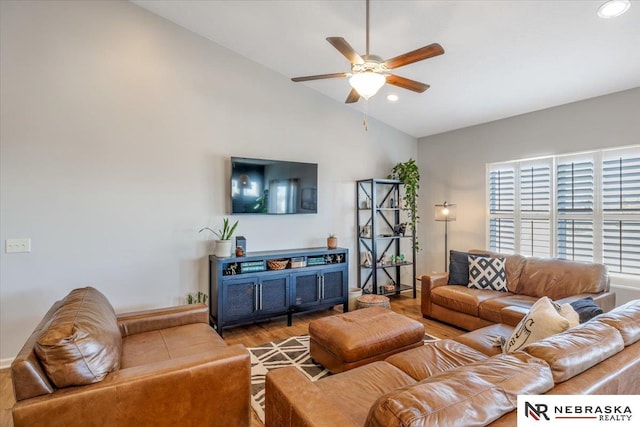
(168, 367)
(528, 279)
(450, 383)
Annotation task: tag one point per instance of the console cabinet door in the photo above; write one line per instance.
(306, 289)
(239, 299)
(334, 285)
(274, 294)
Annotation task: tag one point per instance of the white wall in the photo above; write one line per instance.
(117, 128)
(453, 164)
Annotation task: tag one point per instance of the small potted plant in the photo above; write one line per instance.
(332, 241)
(223, 244)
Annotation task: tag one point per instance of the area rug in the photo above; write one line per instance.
(293, 351)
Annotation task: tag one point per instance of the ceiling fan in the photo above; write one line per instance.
(369, 73)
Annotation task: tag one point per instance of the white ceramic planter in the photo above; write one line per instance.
(222, 249)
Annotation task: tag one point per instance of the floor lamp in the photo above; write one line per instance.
(445, 212)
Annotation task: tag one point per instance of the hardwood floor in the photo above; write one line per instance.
(260, 333)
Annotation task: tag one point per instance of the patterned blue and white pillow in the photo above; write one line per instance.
(487, 273)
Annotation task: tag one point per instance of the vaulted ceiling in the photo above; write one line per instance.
(502, 58)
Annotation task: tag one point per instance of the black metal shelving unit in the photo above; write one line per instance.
(379, 218)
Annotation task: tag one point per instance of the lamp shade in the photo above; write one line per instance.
(367, 83)
(445, 212)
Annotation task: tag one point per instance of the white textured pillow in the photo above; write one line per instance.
(487, 273)
(542, 321)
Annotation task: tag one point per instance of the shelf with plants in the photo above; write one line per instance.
(383, 237)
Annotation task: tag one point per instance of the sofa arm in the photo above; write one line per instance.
(427, 284)
(162, 318)
(292, 400)
(211, 389)
(434, 280)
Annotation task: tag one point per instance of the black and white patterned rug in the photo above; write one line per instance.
(293, 351)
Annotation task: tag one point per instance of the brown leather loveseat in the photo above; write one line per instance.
(85, 366)
(528, 279)
(450, 383)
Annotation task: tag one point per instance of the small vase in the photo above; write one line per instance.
(223, 248)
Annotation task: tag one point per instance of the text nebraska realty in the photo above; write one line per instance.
(601, 413)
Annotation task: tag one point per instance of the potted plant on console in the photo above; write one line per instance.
(223, 244)
(332, 241)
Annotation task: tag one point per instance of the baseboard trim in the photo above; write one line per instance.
(5, 363)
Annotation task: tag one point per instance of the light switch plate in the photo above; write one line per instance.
(17, 245)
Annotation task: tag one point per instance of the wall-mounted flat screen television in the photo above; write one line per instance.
(274, 187)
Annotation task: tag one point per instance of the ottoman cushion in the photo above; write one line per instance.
(348, 340)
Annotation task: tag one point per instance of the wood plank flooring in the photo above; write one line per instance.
(260, 333)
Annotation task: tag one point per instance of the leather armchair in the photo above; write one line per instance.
(174, 370)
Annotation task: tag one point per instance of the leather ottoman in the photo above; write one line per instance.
(346, 341)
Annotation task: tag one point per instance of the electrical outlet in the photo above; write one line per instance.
(17, 245)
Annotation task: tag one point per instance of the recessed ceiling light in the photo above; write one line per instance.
(392, 97)
(613, 8)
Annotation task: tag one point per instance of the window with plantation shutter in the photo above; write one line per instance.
(621, 212)
(582, 207)
(501, 210)
(575, 194)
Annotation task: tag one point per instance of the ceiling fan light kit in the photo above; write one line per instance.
(368, 75)
(367, 83)
(613, 8)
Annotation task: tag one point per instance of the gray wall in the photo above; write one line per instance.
(117, 128)
(453, 164)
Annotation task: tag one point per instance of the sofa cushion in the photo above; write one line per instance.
(492, 309)
(168, 344)
(82, 343)
(439, 356)
(626, 319)
(487, 340)
(476, 394)
(461, 298)
(557, 278)
(372, 380)
(578, 349)
(542, 321)
(487, 273)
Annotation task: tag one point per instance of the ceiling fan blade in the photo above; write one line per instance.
(353, 96)
(406, 83)
(425, 52)
(346, 49)
(318, 77)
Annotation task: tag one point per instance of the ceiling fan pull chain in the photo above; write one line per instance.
(364, 119)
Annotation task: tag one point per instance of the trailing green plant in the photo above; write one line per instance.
(197, 298)
(225, 233)
(409, 174)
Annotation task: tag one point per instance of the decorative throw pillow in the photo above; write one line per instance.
(542, 321)
(82, 342)
(586, 308)
(458, 268)
(487, 273)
